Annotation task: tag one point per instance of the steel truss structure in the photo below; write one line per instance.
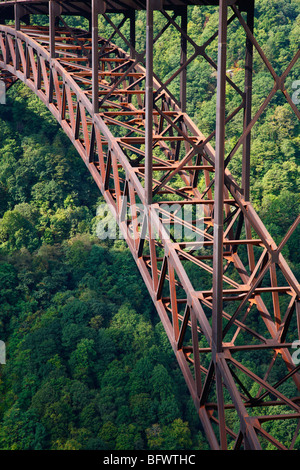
(222, 288)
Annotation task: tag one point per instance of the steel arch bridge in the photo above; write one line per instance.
(213, 276)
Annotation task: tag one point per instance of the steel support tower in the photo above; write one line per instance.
(220, 284)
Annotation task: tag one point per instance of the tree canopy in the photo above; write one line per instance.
(88, 363)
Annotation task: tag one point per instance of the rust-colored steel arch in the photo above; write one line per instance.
(219, 282)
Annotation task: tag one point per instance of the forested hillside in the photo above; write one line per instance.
(88, 363)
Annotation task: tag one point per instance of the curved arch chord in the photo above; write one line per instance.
(176, 269)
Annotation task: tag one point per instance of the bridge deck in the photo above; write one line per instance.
(177, 266)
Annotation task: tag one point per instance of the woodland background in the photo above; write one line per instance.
(88, 363)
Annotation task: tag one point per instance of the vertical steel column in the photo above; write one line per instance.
(17, 16)
(219, 183)
(52, 28)
(219, 218)
(248, 103)
(55, 10)
(132, 33)
(98, 7)
(18, 11)
(149, 103)
(183, 60)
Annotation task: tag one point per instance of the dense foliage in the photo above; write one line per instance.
(88, 363)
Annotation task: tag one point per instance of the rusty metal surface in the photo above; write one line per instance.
(204, 290)
(73, 7)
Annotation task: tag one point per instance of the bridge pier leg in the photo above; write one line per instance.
(55, 10)
(183, 57)
(95, 86)
(17, 28)
(219, 182)
(151, 6)
(248, 104)
(98, 7)
(149, 103)
(52, 28)
(17, 16)
(132, 33)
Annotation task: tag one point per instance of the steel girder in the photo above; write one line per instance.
(227, 292)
